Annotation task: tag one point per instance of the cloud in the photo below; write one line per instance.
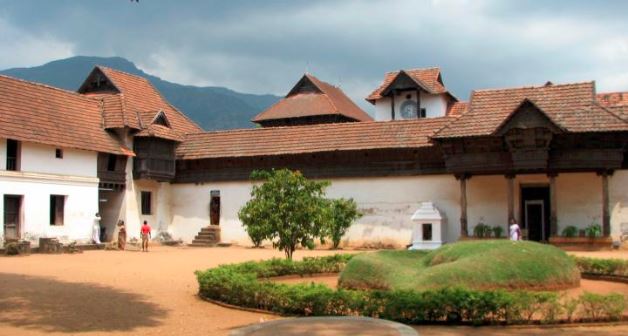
(22, 48)
(264, 47)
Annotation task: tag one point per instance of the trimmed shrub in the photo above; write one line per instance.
(342, 213)
(593, 230)
(246, 285)
(498, 231)
(570, 231)
(604, 267)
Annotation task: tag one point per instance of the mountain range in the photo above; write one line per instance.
(212, 108)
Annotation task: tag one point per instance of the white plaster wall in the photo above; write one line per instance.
(41, 158)
(81, 203)
(160, 217)
(579, 200)
(388, 204)
(3, 154)
(618, 190)
(435, 106)
(486, 201)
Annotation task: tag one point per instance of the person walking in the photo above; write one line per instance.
(96, 229)
(121, 235)
(515, 230)
(145, 233)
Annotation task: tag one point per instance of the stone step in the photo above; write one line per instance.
(206, 234)
(201, 245)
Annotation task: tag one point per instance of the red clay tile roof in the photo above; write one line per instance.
(331, 101)
(570, 106)
(429, 78)
(137, 95)
(151, 129)
(613, 98)
(43, 114)
(311, 138)
(456, 109)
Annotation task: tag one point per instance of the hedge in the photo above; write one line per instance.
(246, 285)
(603, 267)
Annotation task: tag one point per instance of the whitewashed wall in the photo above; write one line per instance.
(81, 203)
(435, 106)
(41, 158)
(387, 204)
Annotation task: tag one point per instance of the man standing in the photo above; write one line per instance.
(145, 233)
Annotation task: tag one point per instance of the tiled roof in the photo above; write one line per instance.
(39, 113)
(137, 95)
(149, 128)
(570, 106)
(613, 98)
(456, 109)
(330, 101)
(427, 77)
(311, 139)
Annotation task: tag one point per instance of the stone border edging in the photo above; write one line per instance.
(601, 277)
(403, 329)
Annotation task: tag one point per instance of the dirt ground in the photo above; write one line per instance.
(135, 293)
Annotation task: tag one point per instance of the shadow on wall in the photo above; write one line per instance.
(44, 304)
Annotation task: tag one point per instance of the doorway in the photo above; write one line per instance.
(214, 207)
(535, 212)
(12, 217)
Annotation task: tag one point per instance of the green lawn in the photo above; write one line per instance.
(472, 264)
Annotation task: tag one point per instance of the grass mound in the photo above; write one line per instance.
(483, 264)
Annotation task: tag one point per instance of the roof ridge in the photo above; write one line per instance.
(605, 108)
(532, 87)
(412, 69)
(46, 86)
(330, 125)
(122, 72)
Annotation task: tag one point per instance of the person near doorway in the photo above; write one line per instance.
(96, 229)
(515, 230)
(145, 233)
(121, 235)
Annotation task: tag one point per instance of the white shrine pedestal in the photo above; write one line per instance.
(427, 233)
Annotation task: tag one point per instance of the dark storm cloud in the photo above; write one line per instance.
(264, 46)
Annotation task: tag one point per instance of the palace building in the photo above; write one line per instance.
(549, 156)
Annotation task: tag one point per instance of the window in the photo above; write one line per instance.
(59, 153)
(423, 113)
(111, 162)
(57, 207)
(13, 155)
(146, 202)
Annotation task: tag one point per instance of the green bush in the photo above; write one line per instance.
(482, 231)
(245, 285)
(570, 231)
(608, 267)
(593, 230)
(498, 231)
(11, 249)
(342, 213)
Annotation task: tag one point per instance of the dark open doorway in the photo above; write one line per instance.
(214, 208)
(12, 217)
(535, 212)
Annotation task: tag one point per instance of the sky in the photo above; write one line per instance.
(265, 46)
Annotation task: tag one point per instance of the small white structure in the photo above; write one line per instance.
(428, 233)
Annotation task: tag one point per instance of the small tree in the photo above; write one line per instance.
(342, 213)
(287, 208)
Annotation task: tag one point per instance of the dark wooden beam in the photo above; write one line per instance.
(418, 103)
(606, 217)
(464, 231)
(510, 187)
(553, 205)
(392, 104)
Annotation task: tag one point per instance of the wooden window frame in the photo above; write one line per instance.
(57, 212)
(58, 153)
(146, 203)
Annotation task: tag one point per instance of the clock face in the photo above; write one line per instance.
(408, 110)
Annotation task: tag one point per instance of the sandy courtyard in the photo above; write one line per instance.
(135, 293)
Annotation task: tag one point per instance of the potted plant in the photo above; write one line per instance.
(570, 231)
(498, 231)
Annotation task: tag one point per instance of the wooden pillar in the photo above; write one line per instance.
(553, 205)
(606, 216)
(464, 232)
(510, 185)
(392, 105)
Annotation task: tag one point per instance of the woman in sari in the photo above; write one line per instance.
(121, 235)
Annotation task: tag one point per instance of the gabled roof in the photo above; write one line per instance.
(457, 109)
(311, 138)
(613, 98)
(151, 127)
(313, 97)
(427, 78)
(38, 113)
(572, 107)
(133, 96)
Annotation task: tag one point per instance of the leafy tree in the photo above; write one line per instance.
(287, 208)
(342, 213)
